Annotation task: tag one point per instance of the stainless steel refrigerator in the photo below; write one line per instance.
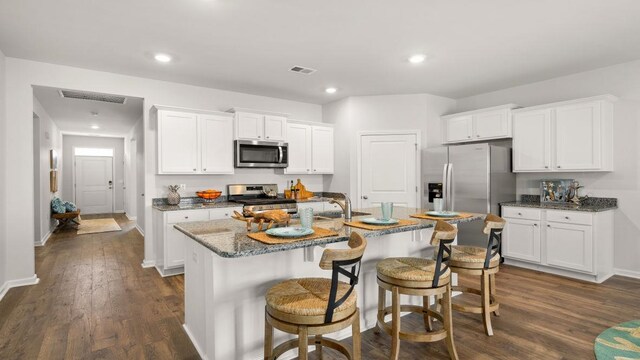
(474, 178)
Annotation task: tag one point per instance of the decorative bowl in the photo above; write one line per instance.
(209, 195)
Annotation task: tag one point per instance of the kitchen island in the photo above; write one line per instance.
(228, 273)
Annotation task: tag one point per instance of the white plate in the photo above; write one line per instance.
(443, 213)
(374, 221)
(290, 232)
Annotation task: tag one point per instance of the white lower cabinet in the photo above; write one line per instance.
(524, 241)
(169, 244)
(319, 206)
(569, 243)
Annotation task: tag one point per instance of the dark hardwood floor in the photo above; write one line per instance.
(95, 301)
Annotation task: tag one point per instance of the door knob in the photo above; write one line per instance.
(365, 197)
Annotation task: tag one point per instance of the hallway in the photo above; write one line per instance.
(94, 300)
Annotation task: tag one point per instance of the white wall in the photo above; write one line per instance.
(22, 74)
(130, 166)
(49, 137)
(3, 175)
(624, 182)
(385, 112)
(69, 142)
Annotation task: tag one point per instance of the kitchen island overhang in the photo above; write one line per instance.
(228, 273)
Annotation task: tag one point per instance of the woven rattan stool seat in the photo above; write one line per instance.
(409, 269)
(471, 256)
(308, 297)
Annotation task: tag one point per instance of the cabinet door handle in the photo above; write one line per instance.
(546, 166)
(520, 214)
(315, 169)
(468, 136)
(195, 170)
(258, 136)
(205, 169)
(365, 197)
(478, 135)
(308, 170)
(548, 226)
(536, 225)
(186, 217)
(267, 137)
(566, 217)
(558, 166)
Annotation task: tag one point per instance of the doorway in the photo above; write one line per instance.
(389, 168)
(93, 182)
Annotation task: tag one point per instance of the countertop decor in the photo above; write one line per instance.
(195, 203)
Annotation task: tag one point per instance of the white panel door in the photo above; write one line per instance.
(94, 184)
(388, 170)
(322, 149)
(459, 128)
(174, 247)
(521, 240)
(578, 136)
(217, 144)
(299, 140)
(249, 126)
(532, 141)
(275, 128)
(178, 143)
(570, 246)
(492, 124)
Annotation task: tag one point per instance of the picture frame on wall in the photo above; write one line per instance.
(53, 181)
(53, 159)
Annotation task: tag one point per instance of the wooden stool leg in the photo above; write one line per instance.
(268, 338)
(355, 335)
(447, 318)
(303, 342)
(395, 323)
(427, 319)
(382, 303)
(486, 299)
(319, 346)
(492, 284)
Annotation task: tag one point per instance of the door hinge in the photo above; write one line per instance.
(416, 189)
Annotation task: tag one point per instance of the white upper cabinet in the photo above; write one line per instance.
(217, 144)
(579, 136)
(177, 142)
(275, 128)
(322, 149)
(299, 140)
(194, 141)
(310, 149)
(459, 128)
(477, 125)
(249, 126)
(532, 140)
(259, 125)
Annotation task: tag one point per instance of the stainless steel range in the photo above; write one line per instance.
(258, 198)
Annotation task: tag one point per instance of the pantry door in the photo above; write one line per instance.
(389, 168)
(94, 184)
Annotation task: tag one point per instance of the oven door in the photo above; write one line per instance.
(261, 154)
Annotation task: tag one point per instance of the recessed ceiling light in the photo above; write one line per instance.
(95, 127)
(163, 58)
(417, 59)
(330, 90)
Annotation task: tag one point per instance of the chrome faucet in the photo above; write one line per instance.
(346, 206)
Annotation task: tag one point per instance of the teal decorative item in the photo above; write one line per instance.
(57, 206)
(290, 232)
(70, 207)
(619, 342)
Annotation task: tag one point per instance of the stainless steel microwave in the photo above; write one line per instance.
(261, 154)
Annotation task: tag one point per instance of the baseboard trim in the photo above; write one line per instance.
(44, 239)
(139, 230)
(131, 218)
(194, 342)
(148, 263)
(17, 283)
(118, 211)
(627, 273)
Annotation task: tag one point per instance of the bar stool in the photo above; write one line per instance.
(483, 262)
(317, 306)
(418, 277)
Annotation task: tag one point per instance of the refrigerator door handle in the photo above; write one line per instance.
(445, 186)
(450, 187)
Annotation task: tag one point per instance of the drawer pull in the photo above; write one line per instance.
(566, 217)
(536, 225)
(186, 217)
(548, 226)
(520, 213)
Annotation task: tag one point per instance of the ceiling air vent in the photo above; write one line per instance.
(83, 95)
(302, 70)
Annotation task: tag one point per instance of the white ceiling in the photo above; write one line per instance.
(74, 115)
(358, 46)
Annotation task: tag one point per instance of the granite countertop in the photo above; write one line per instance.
(195, 203)
(228, 238)
(592, 204)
